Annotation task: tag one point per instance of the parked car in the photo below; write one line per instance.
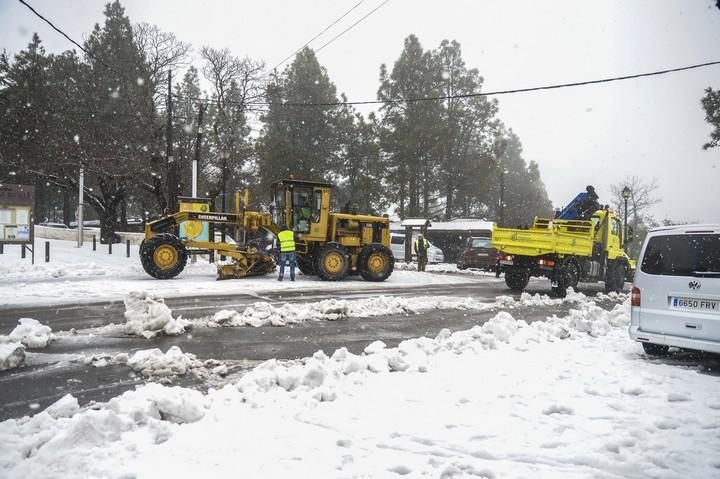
(478, 253)
(676, 291)
(397, 245)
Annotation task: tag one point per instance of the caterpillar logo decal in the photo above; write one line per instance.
(212, 217)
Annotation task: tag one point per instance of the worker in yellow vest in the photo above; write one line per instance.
(421, 249)
(286, 237)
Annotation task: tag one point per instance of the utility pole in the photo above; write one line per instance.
(196, 160)
(502, 197)
(81, 199)
(172, 180)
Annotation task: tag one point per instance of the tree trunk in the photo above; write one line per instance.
(108, 225)
(68, 210)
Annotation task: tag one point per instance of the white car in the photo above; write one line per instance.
(676, 291)
(397, 245)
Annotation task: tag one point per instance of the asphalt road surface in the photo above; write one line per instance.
(60, 368)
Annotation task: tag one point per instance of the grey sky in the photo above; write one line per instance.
(651, 127)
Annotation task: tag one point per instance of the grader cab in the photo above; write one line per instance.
(329, 245)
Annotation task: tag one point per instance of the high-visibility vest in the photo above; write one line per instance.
(287, 241)
(425, 244)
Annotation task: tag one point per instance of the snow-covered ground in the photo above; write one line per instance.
(81, 275)
(572, 397)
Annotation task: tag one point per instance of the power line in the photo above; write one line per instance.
(66, 36)
(316, 36)
(490, 93)
(351, 26)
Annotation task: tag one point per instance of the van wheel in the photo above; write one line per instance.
(655, 349)
(517, 278)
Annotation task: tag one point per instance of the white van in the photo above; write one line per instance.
(676, 291)
(397, 245)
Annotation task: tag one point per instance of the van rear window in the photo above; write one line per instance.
(683, 255)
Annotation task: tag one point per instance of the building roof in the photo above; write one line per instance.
(468, 225)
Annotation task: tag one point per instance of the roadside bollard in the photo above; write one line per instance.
(1, 249)
(94, 243)
(127, 243)
(109, 245)
(22, 251)
(47, 251)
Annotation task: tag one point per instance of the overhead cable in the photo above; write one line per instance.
(318, 35)
(481, 94)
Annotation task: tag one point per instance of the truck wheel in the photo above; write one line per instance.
(332, 262)
(517, 279)
(567, 277)
(376, 262)
(163, 256)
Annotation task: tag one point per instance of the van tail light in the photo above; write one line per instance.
(635, 297)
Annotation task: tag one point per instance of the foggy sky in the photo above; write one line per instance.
(650, 127)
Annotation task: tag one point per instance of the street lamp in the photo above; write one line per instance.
(224, 155)
(626, 194)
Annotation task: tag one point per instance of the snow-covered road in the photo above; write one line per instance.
(570, 397)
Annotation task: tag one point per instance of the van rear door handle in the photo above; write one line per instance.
(693, 326)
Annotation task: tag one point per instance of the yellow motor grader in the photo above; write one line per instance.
(329, 245)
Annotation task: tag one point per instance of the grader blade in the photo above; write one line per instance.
(247, 264)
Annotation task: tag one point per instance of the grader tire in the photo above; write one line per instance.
(163, 256)
(332, 262)
(305, 266)
(376, 262)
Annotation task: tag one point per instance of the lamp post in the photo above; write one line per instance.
(626, 194)
(224, 155)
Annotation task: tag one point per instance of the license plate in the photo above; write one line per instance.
(696, 304)
(482, 254)
(502, 261)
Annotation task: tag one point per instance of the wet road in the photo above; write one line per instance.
(60, 368)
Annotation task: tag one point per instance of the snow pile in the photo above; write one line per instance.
(572, 397)
(26, 272)
(12, 355)
(443, 268)
(148, 315)
(263, 313)
(153, 362)
(60, 442)
(30, 333)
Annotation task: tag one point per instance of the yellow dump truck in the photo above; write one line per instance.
(565, 251)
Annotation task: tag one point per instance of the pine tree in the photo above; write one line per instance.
(298, 139)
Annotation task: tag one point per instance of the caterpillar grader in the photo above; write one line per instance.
(329, 245)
